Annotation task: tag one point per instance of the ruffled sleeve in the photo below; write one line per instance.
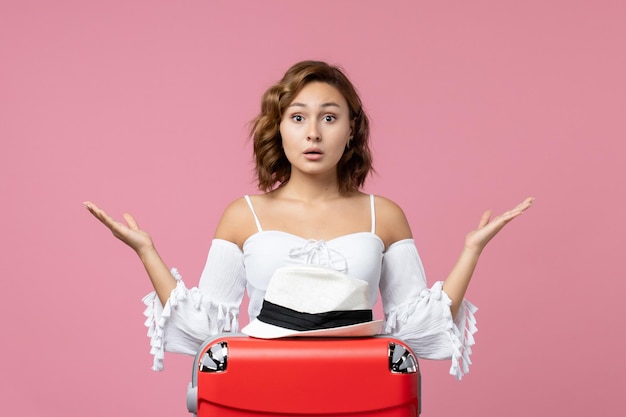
(421, 316)
(192, 315)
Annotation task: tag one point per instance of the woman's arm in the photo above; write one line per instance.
(141, 242)
(393, 227)
(459, 278)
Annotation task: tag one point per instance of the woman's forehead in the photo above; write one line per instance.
(319, 94)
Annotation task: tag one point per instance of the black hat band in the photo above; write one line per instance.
(294, 320)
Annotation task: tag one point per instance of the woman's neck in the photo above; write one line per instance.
(307, 188)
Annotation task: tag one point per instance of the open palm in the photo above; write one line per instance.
(487, 227)
(129, 233)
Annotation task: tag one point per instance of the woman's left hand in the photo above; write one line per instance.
(476, 240)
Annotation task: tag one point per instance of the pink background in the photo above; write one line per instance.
(142, 106)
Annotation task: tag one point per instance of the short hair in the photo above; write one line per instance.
(272, 166)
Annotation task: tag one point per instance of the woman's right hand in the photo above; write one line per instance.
(129, 233)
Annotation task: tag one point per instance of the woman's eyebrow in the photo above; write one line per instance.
(329, 104)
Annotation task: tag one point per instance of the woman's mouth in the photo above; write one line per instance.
(313, 154)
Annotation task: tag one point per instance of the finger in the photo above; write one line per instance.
(484, 219)
(132, 223)
(516, 211)
(527, 203)
(89, 205)
(524, 204)
(96, 211)
(520, 208)
(104, 218)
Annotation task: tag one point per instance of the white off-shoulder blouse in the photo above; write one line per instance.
(416, 314)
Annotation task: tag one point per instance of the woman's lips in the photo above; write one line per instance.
(313, 154)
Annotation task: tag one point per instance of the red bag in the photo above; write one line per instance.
(237, 376)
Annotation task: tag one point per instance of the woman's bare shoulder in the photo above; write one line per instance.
(237, 223)
(391, 222)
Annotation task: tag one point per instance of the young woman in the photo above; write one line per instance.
(312, 157)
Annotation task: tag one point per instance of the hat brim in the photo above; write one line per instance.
(264, 330)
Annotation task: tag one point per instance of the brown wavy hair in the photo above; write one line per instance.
(272, 165)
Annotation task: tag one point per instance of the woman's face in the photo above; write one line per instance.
(315, 129)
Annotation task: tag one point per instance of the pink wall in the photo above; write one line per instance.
(142, 106)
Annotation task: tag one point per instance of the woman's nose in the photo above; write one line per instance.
(314, 133)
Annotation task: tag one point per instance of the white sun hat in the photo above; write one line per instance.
(309, 300)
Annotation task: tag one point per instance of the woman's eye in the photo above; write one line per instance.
(329, 118)
(297, 118)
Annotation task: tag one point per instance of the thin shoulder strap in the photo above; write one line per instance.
(373, 211)
(256, 219)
